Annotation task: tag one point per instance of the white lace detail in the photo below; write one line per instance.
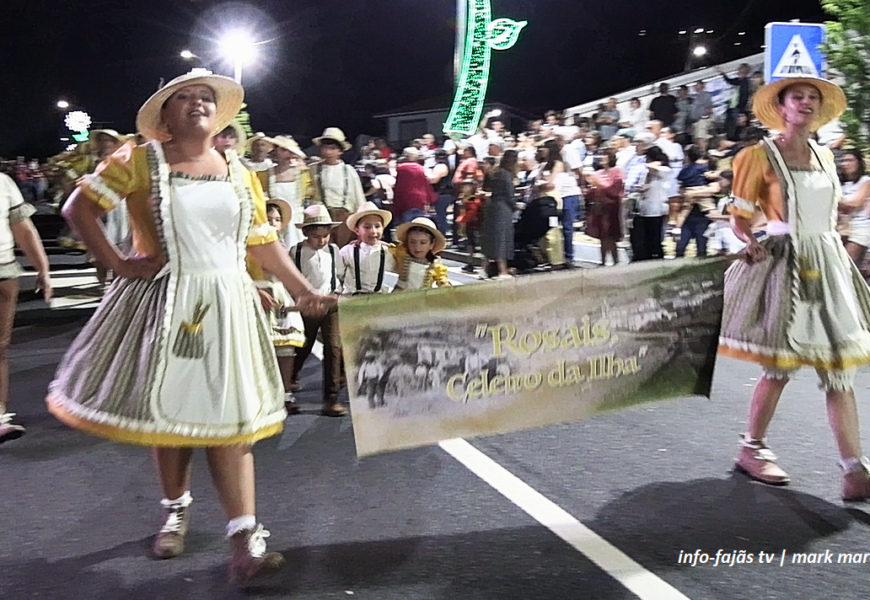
(6, 418)
(257, 542)
(765, 454)
(855, 465)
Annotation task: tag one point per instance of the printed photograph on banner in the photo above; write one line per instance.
(478, 360)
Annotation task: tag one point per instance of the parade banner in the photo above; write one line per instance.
(499, 357)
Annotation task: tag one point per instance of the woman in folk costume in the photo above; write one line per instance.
(288, 329)
(417, 262)
(179, 353)
(336, 184)
(289, 180)
(797, 299)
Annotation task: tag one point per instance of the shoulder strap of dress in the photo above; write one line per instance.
(786, 181)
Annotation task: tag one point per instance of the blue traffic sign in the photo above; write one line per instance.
(794, 50)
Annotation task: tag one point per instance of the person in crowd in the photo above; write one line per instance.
(855, 204)
(368, 259)
(105, 143)
(704, 128)
(413, 195)
(635, 117)
(604, 194)
(321, 264)
(442, 185)
(701, 102)
(663, 108)
(593, 147)
(336, 184)
(682, 120)
(416, 255)
(290, 180)
(259, 148)
(286, 325)
(178, 355)
(635, 183)
(625, 150)
(723, 238)
(428, 150)
(608, 120)
(796, 299)
(739, 102)
(667, 142)
(15, 228)
(231, 138)
(497, 230)
(573, 209)
(464, 179)
(546, 183)
(652, 207)
(384, 152)
(693, 218)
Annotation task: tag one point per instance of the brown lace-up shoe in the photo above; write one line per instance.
(250, 559)
(757, 461)
(333, 408)
(169, 542)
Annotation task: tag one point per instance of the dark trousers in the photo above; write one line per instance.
(694, 227)
(646, 238)
(570, 213)
(444, 201)
(328, 326)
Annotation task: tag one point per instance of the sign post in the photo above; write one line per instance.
(794, 50)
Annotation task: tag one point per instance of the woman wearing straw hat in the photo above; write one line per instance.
(337, 185)
(179, 355)
(797, 299)
(289, 180)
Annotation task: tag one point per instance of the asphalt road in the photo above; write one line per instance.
(636, 487)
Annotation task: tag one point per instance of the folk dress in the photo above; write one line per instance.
(294, 193)
(806, 304)
(185, 359)
(417, 274)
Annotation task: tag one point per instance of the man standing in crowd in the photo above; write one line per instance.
(608, 121)
(676, 156)
(740, 94)
(569, 190)
(413, 195)
(663, 107)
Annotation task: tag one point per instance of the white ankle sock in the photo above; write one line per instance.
(852, 465)
(183, 502)
(240, 524)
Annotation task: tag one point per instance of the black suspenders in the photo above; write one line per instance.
(356, 268)
(334, 279)
(323, 192)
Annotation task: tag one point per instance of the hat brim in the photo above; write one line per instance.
(303, 224)
(109, 132)
(765, 105)
(295, 149)
(286, 211)
(344, 145)
(440, 240)
(229, 96)
(241, 136)
(355, 217)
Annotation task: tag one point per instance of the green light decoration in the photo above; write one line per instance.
(81, 136)
(481, 35)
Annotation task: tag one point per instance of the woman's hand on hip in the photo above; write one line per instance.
(755, 252)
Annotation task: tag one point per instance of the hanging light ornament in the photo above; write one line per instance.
(477, 36)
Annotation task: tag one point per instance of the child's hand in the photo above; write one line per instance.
(313, 304)
(267, 300)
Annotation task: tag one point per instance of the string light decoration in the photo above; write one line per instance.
(482, 36)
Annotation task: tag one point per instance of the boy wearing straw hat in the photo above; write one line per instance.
(368, 258)
(259, 147)
(337, 185)
(319, 262)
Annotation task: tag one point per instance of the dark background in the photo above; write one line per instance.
(337, 62)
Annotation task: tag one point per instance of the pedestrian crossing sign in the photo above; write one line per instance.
(794, 50)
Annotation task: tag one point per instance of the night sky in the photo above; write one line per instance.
(337, 62)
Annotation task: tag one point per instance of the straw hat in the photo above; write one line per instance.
(258, 136)
(317, 215)
(288, 143)
(424, 223)
(368, 208)
(284, 208)
(228, 95)
(333, 134)
(241, 136)
(92, 136)
(766, 102)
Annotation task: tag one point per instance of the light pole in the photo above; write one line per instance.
(239, 48)
(696, 51)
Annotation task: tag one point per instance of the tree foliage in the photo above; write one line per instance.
(848, 55)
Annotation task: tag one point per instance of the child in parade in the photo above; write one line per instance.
(319, 261)
(368, 258)
(287, 326)
(416, 256)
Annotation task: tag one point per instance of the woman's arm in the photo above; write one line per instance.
(858, 200)
(438, 173)
(27, 238)
(273, 258)
(742, 228)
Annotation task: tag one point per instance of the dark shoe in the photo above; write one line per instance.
(169, 542)
(290, 404)
(856, 481)
(469, 268)
(8, 430)
(295, 387)
(757, 461)
(250, 559)
(333, 408)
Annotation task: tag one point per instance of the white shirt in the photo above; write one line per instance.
(340, 185)
(370, 262)
(316, 266)
(450, 148)
(636, 118)
(675, 157)
(571, 157)
(263, 165)
(654, 202)
(10, 198)
(624, 155)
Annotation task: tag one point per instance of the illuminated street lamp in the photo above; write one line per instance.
(239, 48)
(62, 104)
(187, 55)
(699, 51)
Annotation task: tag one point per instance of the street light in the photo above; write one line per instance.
(187, 55)
(699, 51)
(62, 104)
(238, 47)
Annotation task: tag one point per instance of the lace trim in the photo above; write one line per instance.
(6, 418)
(180, 175)
(98, 185)
(20, 212)
(809, 356)
(257, 542)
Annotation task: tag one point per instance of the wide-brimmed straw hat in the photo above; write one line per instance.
(285, 209)
(368, 208)
(423, 223)
(288, 143)
(317, 215)
(92, 136)
(229, 96)
(333, 134)
(258, 136)
(241, 136)
(765, 105)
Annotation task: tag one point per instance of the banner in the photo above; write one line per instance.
(498, 357)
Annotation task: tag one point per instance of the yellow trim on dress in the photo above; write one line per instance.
(793, 363)
(146, 438)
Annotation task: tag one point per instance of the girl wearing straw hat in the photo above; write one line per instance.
(258, 147)
(417, 261)
(289, 180)
(232, 137)
(179, 354)
(796, 299)
(288, 329)
(337, 185)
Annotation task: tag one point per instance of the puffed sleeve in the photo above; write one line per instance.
(13, 200)
(116, 178)
(261, 232)
(749, 189)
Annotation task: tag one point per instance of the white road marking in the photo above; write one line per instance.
(644, 584)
